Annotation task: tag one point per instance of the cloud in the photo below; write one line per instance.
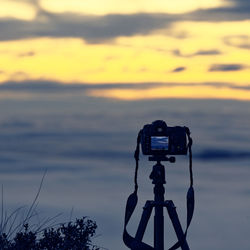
(207, 52)
(93, 29)
(47, 87)
(237, 12)
(179, 69)
(242, 41)
(226, 67)
(16, 124)
(220, 154)
(227, 85)
(98, 29)
(43, 86)
(177, 52)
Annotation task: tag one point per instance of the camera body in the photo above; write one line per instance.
(159, 139)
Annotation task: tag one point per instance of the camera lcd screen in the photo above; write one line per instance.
(159, 142)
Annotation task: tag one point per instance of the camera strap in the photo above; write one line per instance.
(130, 241)
(190, 193)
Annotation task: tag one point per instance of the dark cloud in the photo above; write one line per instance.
(220, 154)
(240, 3)
(227, 85)
(43, 86)
(97, 29)
(93, 29)
(207, 52)
(177, 52)
(226, 67)
(238, 12)
(47, 87)
(242, 42)
(16, 124)
(179, 69)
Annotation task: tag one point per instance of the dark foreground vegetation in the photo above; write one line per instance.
(70, 236)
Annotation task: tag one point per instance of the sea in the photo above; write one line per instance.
(85, 145)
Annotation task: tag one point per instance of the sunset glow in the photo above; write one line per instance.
(104, 7)
(16, 9)
(173, 92)
(136, 45)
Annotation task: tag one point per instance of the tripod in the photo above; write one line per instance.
(158, 179)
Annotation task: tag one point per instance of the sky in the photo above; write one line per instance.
(180, 49)
(80, 78)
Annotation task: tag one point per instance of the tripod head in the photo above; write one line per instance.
(158, 172)
(159, 158)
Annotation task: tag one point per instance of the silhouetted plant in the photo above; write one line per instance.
(70, 236)
(17, 232)
(24, 240)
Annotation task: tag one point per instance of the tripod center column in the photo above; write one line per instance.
(158, 177)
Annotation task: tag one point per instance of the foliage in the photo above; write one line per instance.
(70, 236)
(19, 232)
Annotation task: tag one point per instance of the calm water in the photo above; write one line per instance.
(87, 145)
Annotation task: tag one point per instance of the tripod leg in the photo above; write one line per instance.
(147, 210)
(176, 224)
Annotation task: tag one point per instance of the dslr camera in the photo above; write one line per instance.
(158, 139)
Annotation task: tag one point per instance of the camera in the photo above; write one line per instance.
(159, 139)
